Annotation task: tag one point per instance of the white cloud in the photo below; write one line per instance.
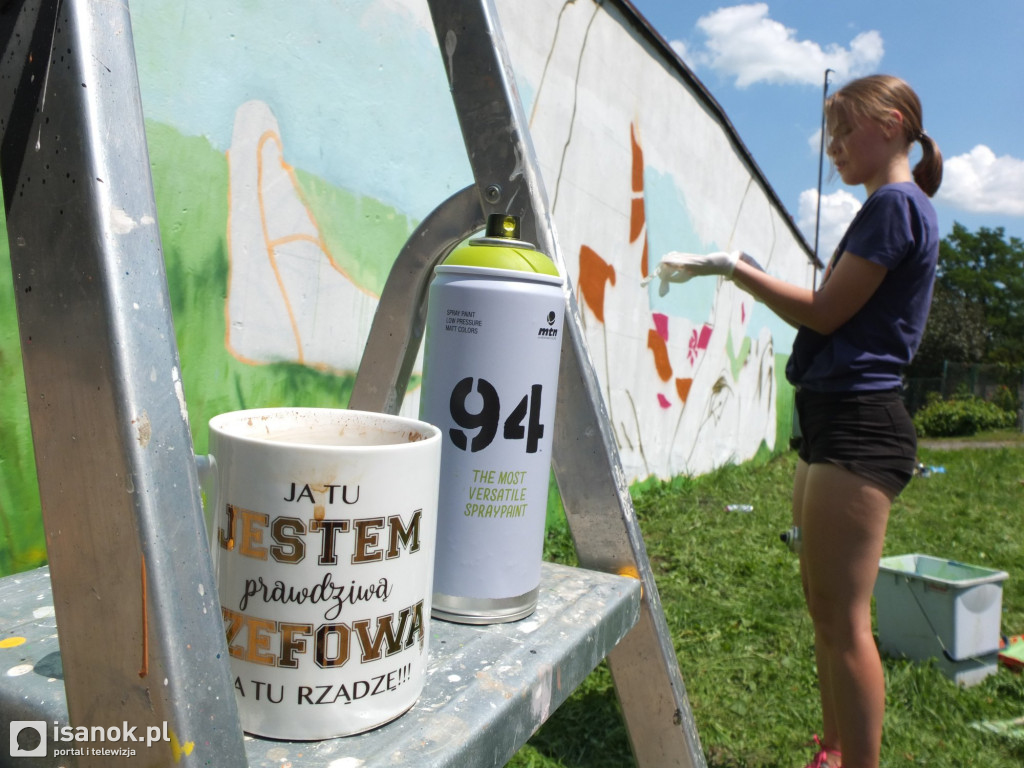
(980, 182)
(814, 142)
(837, 211)
(743, 42)
(680, 48)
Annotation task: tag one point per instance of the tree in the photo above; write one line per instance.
(983, 270)
(956, 331)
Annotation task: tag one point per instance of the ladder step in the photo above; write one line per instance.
(487, 689)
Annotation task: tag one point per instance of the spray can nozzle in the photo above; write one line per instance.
(504, 230)
(503, 225)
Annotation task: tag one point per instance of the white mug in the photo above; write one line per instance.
(323, 535)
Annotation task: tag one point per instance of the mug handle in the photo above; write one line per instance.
(206, 468)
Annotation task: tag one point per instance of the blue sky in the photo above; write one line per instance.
(765, 63)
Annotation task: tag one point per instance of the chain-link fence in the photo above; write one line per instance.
(1001, 384)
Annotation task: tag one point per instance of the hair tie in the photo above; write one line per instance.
(920, 136)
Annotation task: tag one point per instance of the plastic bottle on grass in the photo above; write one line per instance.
(739, 507)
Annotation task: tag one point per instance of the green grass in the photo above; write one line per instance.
(937, 443)
(732, 600)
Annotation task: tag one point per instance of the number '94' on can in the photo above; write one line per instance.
(494, 334)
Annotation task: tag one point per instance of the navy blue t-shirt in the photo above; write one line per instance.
(897, 228)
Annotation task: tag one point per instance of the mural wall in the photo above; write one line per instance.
(294, 148)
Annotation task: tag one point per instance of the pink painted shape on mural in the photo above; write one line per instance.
(663, 401)
(705, 337)
(660, 324)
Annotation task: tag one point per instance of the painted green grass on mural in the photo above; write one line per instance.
(380, 231)
(737, 358)
(196, 259)
(190, 181)
(22, 540)
(195, 252)
(784, 404)
(732, 600)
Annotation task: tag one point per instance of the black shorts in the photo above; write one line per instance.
(868, 433)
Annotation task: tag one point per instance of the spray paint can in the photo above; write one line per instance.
(792, 539)
(490, 376)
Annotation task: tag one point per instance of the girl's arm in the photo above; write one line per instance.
(851, 283)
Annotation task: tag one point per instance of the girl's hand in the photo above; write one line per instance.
(677, 267)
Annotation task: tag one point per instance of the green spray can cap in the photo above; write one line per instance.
(501, 248)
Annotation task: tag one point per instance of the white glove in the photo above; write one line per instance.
(677, 267)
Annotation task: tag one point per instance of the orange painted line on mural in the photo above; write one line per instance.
(268, 136)
(683, 388)
(638, 160)
(290, 170)
(638, 207)
(144, 669)
(298, 237)
(595, 272)
(636, 218)
(637, 213)
(230, 268)
(271, 244)
(657, 345)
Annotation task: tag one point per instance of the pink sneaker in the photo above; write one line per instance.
(824, 757)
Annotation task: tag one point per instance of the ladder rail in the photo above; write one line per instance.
(400, 319)
(586, 462)
(141, 636)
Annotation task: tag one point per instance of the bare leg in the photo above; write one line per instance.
(830, 728)
(843, 519)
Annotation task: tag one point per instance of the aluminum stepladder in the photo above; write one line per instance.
(586, 461)
(140, 625)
